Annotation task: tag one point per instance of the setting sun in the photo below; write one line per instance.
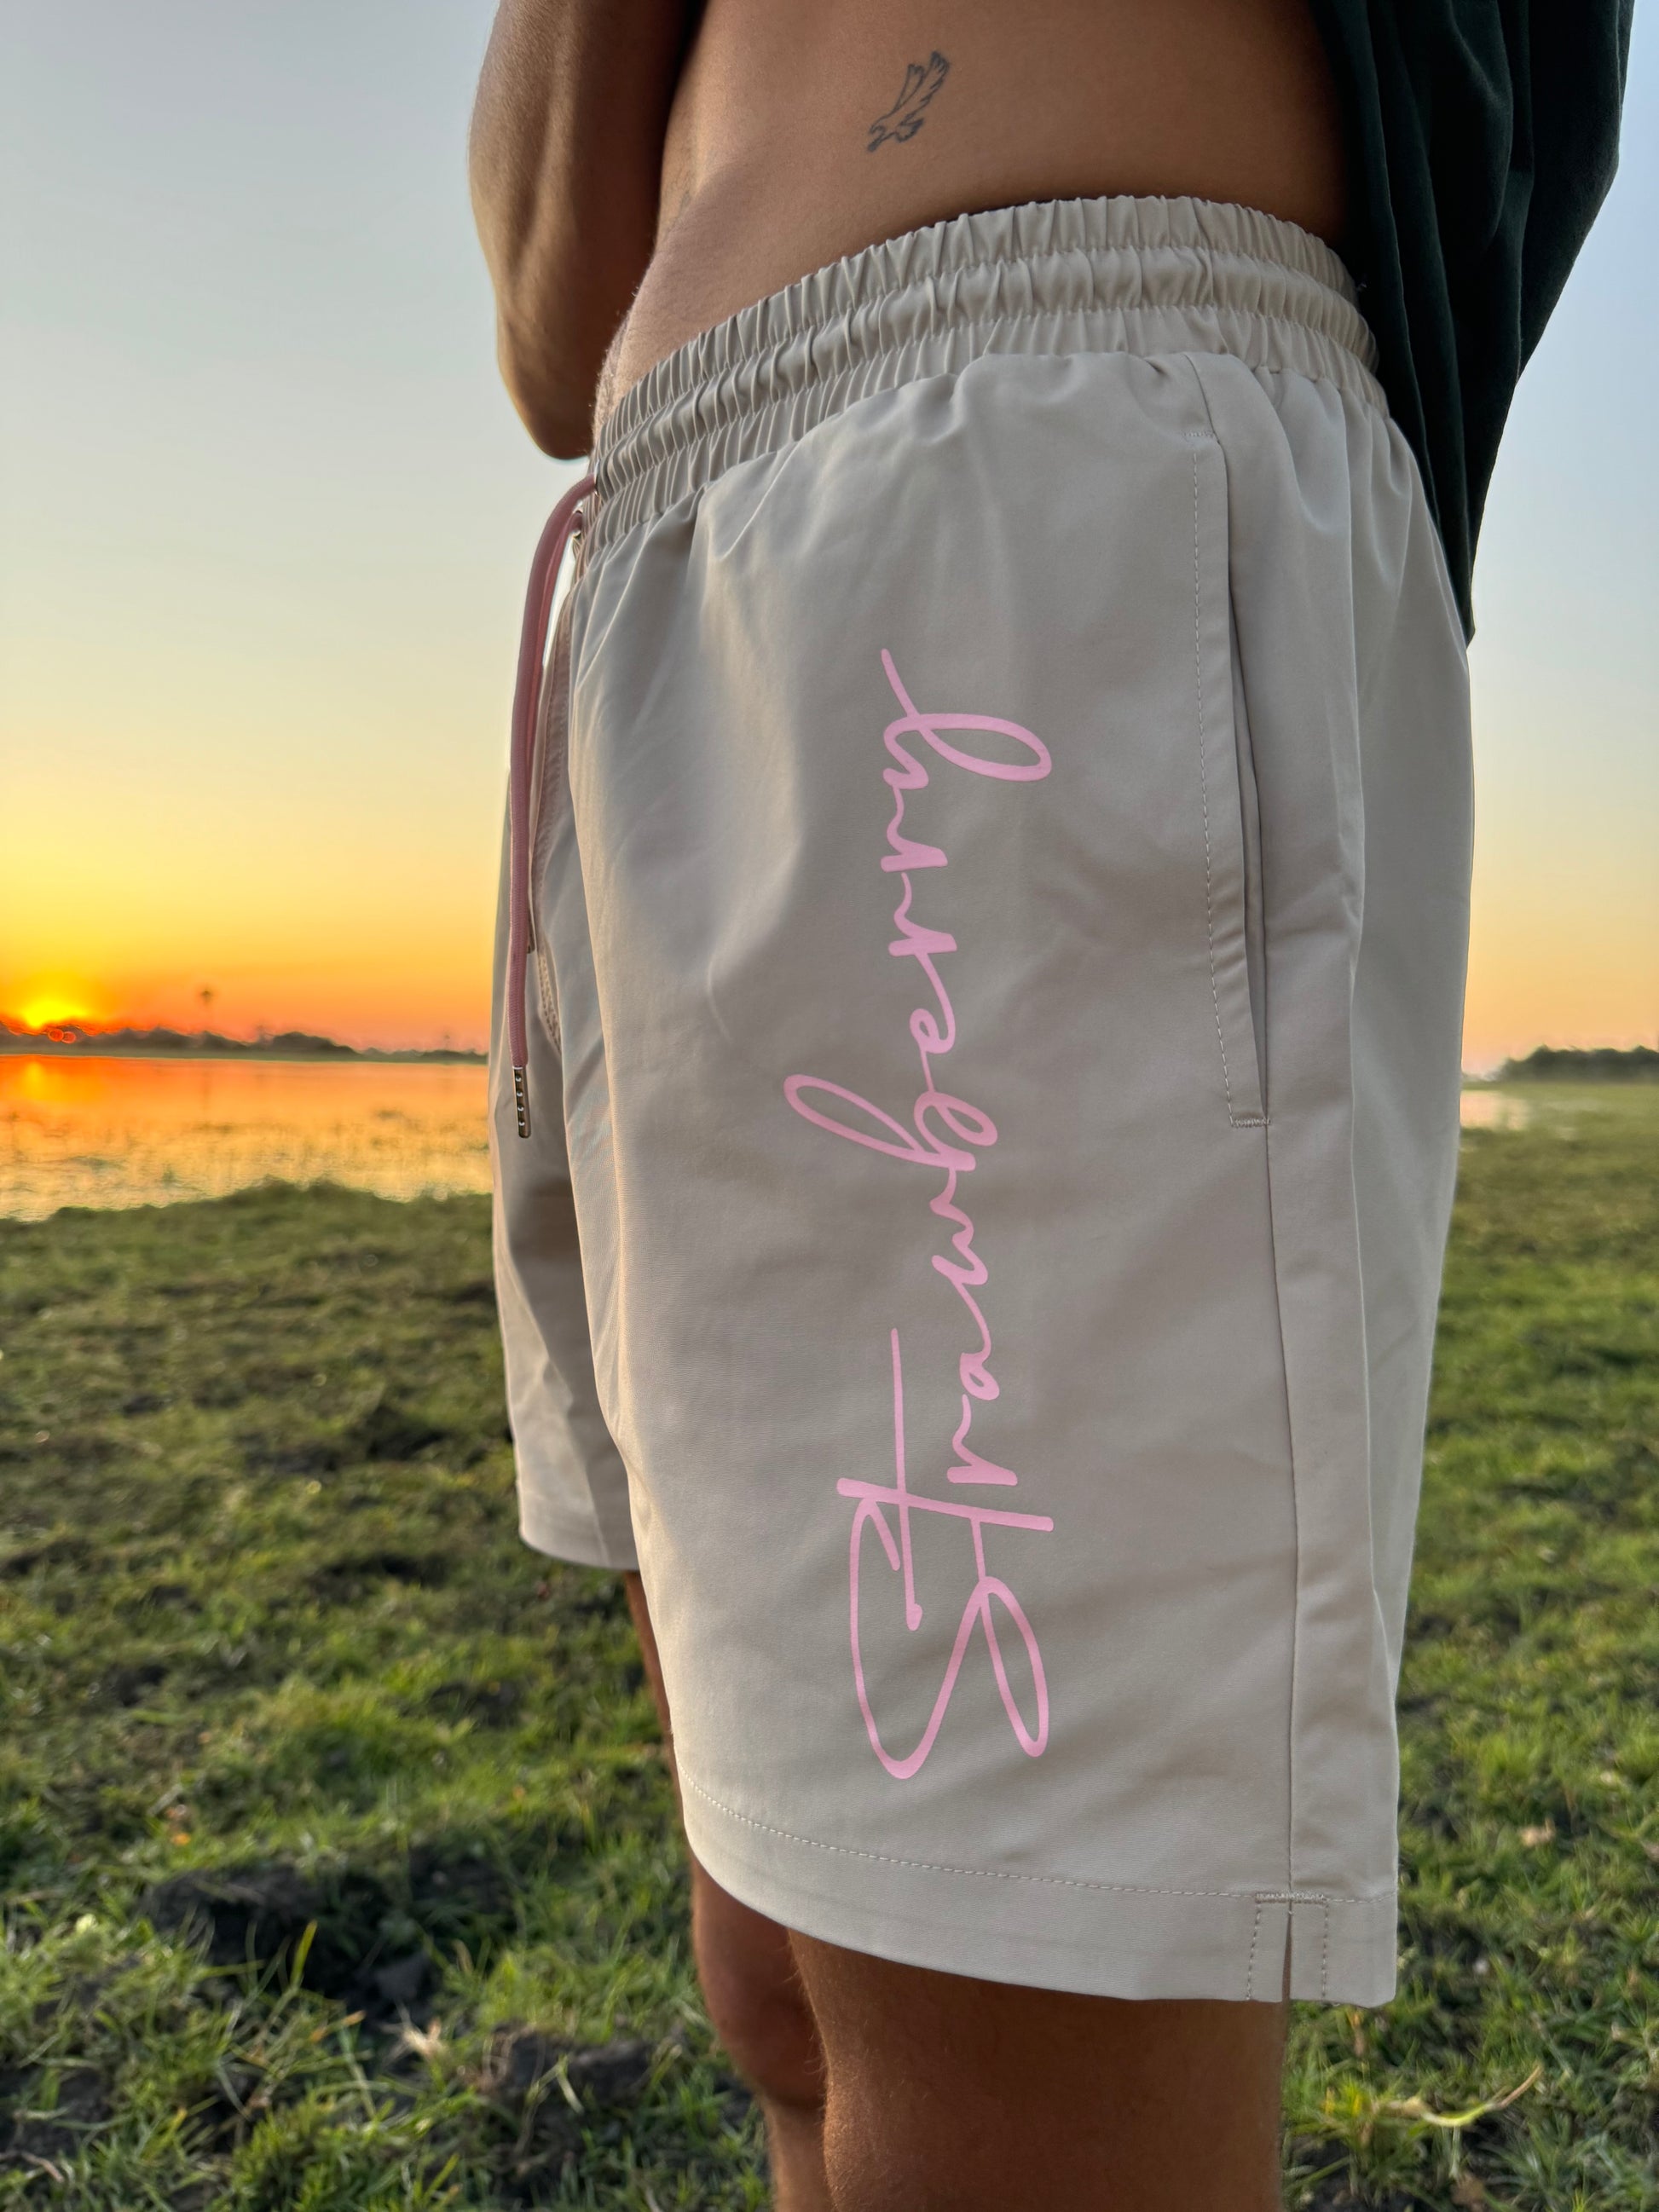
(44, 1007)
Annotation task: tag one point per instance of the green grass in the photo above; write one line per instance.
(264, 1618)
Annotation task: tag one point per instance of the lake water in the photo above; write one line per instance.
(1494, 1110)
(146, 1132)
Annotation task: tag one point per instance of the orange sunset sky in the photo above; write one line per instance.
(267, 512)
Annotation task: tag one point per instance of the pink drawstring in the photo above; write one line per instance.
(561, 527)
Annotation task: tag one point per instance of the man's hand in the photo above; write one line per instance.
(565, 159)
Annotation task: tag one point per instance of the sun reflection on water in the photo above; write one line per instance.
(122, 1132)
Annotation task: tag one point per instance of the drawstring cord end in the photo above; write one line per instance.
(562, 524)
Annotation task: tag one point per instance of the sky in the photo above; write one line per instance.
(267, 512)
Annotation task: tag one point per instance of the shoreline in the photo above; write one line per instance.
(340, 1056)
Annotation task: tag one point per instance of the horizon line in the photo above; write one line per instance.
(85, 1037)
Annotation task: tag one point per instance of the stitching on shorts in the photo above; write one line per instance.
(1256, 1938)
(1002, 1874)
(544, 991)
(549, 797)
(1195, 439)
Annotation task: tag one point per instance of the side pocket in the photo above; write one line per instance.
(1232, 843)
(546, 800)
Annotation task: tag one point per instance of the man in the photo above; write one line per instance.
(979, 996)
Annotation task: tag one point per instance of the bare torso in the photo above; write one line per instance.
(801, 133)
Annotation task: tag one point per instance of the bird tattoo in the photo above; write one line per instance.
(923, 82)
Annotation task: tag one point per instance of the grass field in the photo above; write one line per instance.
(338, 1851)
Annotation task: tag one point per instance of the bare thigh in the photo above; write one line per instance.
(947, 2094)
(892, 2088)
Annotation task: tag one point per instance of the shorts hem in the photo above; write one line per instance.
(545, 1528)
(1095, 1938)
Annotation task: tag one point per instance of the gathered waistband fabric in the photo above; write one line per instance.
(1145, 276)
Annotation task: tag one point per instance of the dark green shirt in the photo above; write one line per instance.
(1483, 136)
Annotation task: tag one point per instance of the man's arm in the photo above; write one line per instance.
(565, 158)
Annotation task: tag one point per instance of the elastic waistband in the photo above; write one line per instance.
(1057, 277)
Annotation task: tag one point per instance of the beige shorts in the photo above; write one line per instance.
(999, 888)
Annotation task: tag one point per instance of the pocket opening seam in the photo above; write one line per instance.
(547, 798)
(1195, 439)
